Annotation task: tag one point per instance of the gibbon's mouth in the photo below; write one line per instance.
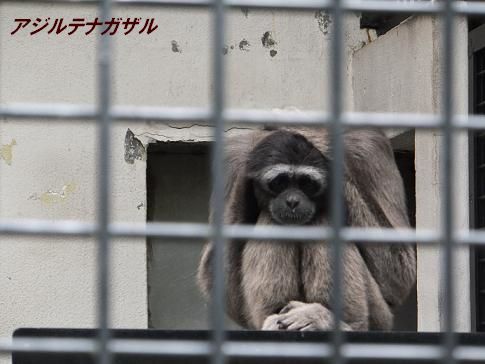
(292, 217)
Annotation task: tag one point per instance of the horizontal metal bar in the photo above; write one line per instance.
(189, 348)
(390, 6)
(63, 112)
(42, 111)
(169, 230)
(390, 236)
(158, 3)
(395, 120)
(374, 6)
(468, 7)
(254, 117)
(276, 117)
(30, 227)
(146, 113)
(471, 122)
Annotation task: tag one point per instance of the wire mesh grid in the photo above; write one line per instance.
(338, 350)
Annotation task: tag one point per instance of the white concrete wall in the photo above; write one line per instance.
(400, 72)
(49, 172)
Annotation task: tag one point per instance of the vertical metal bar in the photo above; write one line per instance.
(337, 176)
(218, 295)
(103, 187)
(447, 170)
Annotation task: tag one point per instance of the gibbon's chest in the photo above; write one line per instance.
(287, 271)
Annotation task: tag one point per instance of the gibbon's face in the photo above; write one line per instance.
(291, 193)
(289, 177)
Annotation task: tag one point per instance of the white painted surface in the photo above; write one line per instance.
(400, 72)
(50, 282)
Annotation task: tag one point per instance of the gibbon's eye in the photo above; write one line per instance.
(308, 185)
(279, 183)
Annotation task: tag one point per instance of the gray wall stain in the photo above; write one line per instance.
(227, 48)
(175, 47)
(323, 20)
(244, 45)
(245, 10)
(269, 42)
(134, 148)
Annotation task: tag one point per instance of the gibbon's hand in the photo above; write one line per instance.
(302, 316)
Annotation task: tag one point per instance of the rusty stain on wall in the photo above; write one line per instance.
(6, 152)
(323, 20)
(52, 196)
(369, 36)
(134, 148)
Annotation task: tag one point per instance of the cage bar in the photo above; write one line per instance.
(336, 179)
(447, 187)
(251, 117)
(104, 182)
(217, 308)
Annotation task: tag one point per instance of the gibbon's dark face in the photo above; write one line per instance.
(289, 177)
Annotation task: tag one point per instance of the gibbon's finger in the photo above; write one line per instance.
(272, 323)
(298, 325)
(290, 306)
(309, 327)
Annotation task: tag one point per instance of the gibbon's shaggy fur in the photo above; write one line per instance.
(287, 285)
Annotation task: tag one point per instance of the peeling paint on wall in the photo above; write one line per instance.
(134, 148)
(323, 20)
(175, 47)
(269, 42)
(52, 196)
(244, 45)
(6, 152)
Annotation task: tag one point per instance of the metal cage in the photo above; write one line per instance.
(104, 114)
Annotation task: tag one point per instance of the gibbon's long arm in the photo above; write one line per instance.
(375, 194)
(238, 205)
(378, 277)
(374, 197)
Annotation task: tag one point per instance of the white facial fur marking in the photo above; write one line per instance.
(317, 174)
(314, 173)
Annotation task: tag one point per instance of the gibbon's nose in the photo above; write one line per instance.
(292, 202)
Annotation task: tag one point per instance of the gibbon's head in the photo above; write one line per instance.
(289, 176)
